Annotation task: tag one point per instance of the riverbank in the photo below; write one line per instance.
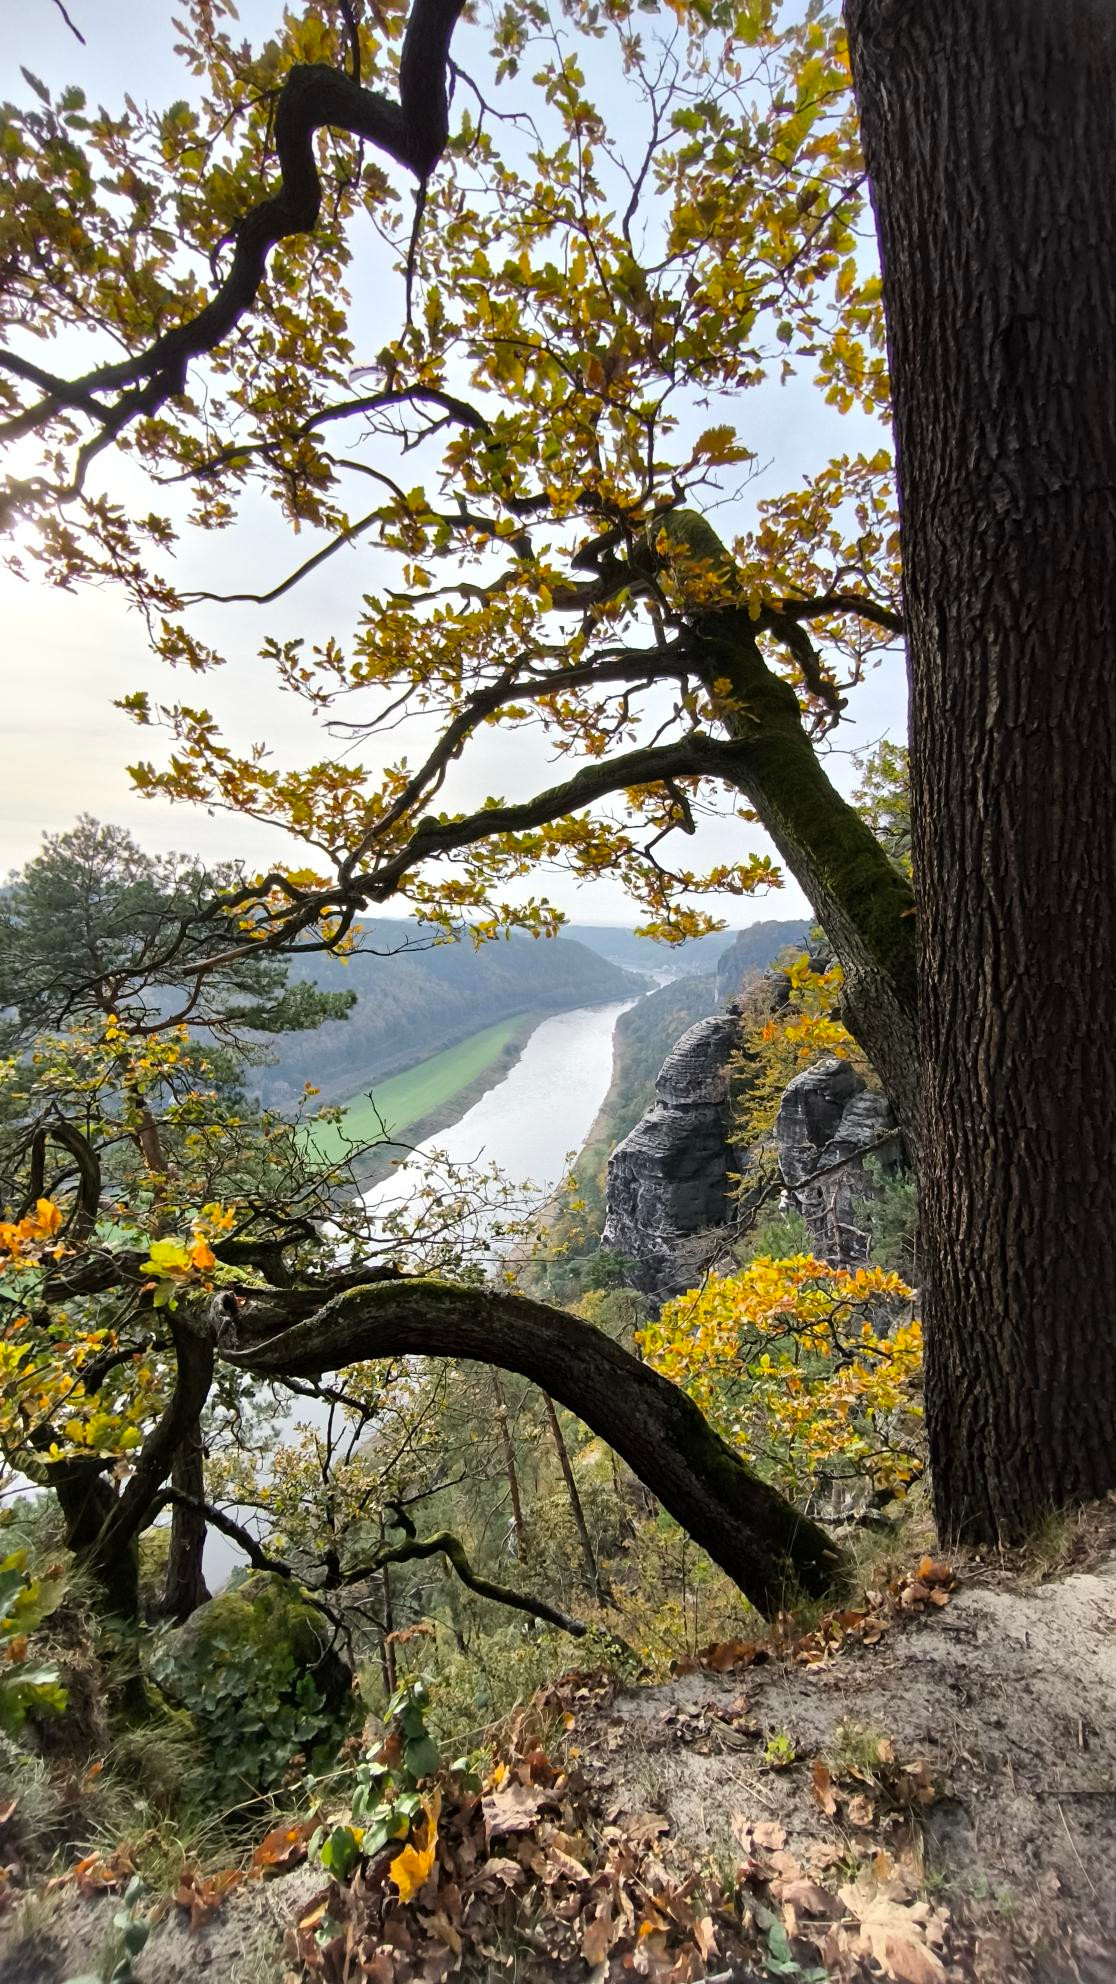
(430, 1097)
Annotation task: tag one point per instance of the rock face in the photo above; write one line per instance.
(828, 1116)
(668, 1180)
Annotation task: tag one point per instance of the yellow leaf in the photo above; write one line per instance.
(410, 1870)
(167, 1257)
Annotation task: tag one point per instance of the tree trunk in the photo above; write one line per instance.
(860, 897)
(507, 1446)
(991, 146)
(185, 1587)
(767, 1547)
(597, 1584)
(88, 1500)
(387, 1643)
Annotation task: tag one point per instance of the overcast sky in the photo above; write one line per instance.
(65, 748)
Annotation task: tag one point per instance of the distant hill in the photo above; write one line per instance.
(415, 997)
(757, 945)
(753, 950)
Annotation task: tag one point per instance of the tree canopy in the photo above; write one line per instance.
(551, 396)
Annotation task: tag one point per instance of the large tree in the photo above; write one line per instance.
(569, 303)
(988, 137)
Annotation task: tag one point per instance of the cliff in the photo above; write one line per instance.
(669, 1180)
(829, 1121)
(754, 949)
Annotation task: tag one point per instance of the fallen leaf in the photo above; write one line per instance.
(725, 1654)
(822, 1789)
(769, 1835)
(860, 1811)
(897, 1934)
(496, 1872)
(808, 1897)
(705, 1936)
(599, 1934)
(932, 1571)
(283, 1847)
(515, 1807)
(411, 1869)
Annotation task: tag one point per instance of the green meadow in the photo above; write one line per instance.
(403, 1100)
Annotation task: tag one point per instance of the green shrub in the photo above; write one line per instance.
(256, 1672)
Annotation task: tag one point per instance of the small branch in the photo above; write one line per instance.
(313, 97)
(257, 1556)
(74, 30)
(452, 1548)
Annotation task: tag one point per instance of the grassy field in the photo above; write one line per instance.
(402, 1100)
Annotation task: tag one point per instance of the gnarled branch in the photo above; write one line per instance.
(760, 1539)
(313, 96)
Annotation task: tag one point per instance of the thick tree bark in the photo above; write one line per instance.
(185, 1588)
(991, 146)
(770, 1550)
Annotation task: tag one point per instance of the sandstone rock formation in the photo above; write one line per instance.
(668, 1180)
(828, 1116)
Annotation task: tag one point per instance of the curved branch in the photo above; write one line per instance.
(761, 1541)
(443, 1544)
(88, 1200)
(825, 603)
(412, 131)
(193, 1377)
(238, 451)
(696, 756)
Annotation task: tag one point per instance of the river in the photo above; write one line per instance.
(540, 1114)
(528, 1125)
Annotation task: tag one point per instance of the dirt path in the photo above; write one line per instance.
(1010, 1699)
(786, 1783)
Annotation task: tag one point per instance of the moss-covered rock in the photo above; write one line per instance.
(257, 1670)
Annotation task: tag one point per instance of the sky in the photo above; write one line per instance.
(68, 656)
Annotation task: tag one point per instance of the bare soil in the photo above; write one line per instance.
(1007, 1696)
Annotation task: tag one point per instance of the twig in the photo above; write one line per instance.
(74, 30)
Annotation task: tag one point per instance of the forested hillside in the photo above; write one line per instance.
(415, 997)
(757, 945)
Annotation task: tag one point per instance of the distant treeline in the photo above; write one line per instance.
(415, 997)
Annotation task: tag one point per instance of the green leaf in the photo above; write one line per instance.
(40, 89)
(422, 1756)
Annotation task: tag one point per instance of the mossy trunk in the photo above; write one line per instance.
(863, 902)
(87, 1501)
(767, 1546)
(185, 1587)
